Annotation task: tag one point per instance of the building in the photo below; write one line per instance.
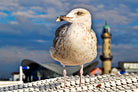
(128, 67)
(96, 71)
(106, 49)
(15, 76)
(38, 71)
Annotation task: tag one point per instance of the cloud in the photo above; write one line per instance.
(13, 22)
(30, 33)
(41, 41)
(17, 54)
(8, 4)
(124, 53)
(89, 7)
(115, 13)
(135, 27)
(121, 52)
(11, 58)
(50, 13)
(124, 35)
(31, 9)
(37, 8)
(58, 3)
(3, 14)
(112, 17)
(28, 13)
(23, 25)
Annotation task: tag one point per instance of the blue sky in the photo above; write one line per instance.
(27, 29)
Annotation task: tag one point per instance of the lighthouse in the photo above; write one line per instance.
(106, 49)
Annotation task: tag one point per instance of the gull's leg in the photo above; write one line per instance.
(81, 72)
(64, 73)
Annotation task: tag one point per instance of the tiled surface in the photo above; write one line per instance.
(104, 83)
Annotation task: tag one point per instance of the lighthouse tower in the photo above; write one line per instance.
(106, 49)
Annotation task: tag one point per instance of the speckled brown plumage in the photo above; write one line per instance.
(75, 43)
(67, 54)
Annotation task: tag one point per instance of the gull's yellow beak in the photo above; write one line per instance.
(63, 18)
(58, 19)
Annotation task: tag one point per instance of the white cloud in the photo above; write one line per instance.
(133, 15)
(17, 54)
(51, 13)
(37, 8)
(11, 58)
(3, 14)
(90, 7)
(41, 41)
(135, 27)
(113, 16)
(137, 9)
(100, 6)
(28, 13)
(55, 3)
(124, 52)
(123, 5)
(115, 13)
(13, 22)
(121, 52)
(8, 4)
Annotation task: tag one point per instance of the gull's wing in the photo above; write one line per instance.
(60, 32)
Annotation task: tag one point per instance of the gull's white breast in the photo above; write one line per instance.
(77, 45)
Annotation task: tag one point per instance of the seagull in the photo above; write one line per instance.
(75, 43)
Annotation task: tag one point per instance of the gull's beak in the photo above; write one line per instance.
(58, 19)
(62, 18)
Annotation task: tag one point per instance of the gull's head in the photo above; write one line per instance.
(77, 15)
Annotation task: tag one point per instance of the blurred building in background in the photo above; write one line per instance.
(38, 71)
(15, 76)
(106, 49)
(128, 66)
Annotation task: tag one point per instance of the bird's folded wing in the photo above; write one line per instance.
(60, 32)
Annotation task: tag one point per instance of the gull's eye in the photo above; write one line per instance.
(79, 13)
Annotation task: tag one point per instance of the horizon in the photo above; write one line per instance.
(27, 29)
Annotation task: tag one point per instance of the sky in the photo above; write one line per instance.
(27, 29)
